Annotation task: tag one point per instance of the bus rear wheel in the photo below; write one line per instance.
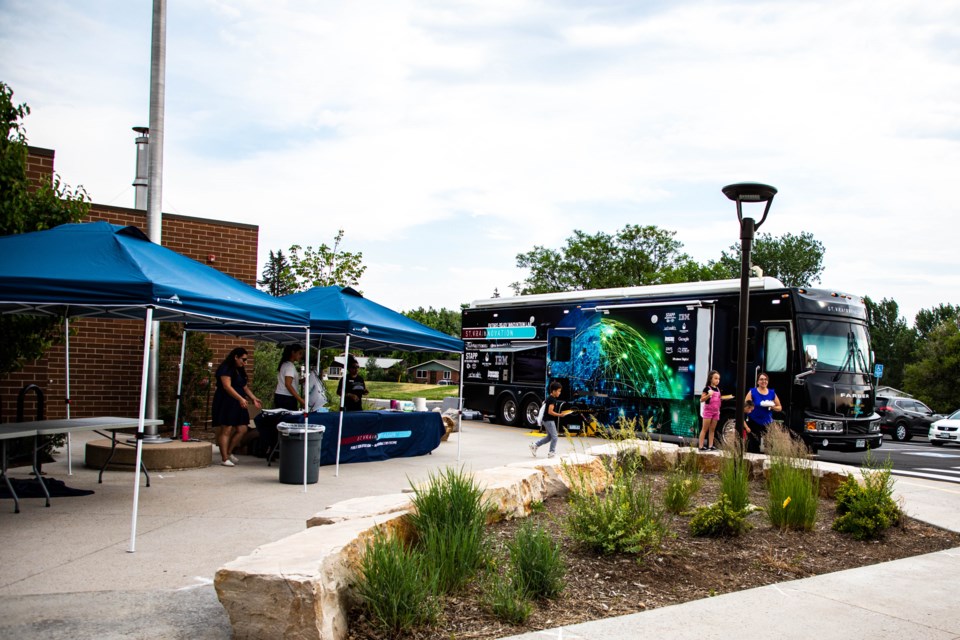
(529, 410)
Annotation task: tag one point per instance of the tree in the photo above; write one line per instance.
(635, 255)
(929, 319)
(797, 261)
(27, 206)
(195, 389)
(443, 320)
(326, 266)
(373, 372)
(277, 278)
(933, 377)
(266, 363)
(892, 340)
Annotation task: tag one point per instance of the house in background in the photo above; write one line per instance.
(335, 371)
(436, 372)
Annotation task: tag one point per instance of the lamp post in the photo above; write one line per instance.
(740, 193)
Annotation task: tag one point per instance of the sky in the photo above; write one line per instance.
(447, 137)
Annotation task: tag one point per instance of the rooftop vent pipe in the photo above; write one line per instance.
(143, 159)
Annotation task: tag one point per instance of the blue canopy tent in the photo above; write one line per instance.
(341, 316)
(102, 270)
(342, 311)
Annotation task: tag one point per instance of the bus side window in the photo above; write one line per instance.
(751, 344)
(775, 353)
(560, 349)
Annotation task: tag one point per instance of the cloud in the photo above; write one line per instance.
(476, 130)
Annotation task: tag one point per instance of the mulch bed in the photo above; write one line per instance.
(686, 568)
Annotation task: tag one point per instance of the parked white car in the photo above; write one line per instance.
(946, 430)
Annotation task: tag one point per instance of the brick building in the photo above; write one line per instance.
(106, 355)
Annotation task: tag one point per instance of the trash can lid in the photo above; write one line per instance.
(292, 427)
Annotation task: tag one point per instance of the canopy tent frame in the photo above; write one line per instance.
(109, 271)
(341, 316)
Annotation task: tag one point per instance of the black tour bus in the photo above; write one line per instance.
(642, 354)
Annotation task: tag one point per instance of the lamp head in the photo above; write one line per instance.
(750, 192)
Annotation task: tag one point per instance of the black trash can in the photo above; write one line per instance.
(291, 452)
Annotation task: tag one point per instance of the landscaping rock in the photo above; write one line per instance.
(365, 507)
(298, 588)
(511, 491)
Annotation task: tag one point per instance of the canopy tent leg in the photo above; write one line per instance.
(66, 331)
(148, 325)
(460, 410)
(306, 410)
(176, 412)
(343, 399)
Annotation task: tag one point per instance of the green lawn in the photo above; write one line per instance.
(396, 391)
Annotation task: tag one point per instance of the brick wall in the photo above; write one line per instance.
(106, 355)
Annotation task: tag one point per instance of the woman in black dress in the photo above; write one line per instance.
(230, 402)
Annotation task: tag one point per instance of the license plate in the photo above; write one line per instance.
(861, 444)
(946, 436)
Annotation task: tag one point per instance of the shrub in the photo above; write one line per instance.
(625, 429)
(506, 600)
(866, 511)
(449, 518)
(719, 519)
(735, 474)
(625, 517)
(536, 566)
(794, 491)
(391, 586)
(682, 483)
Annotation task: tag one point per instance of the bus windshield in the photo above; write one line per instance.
(841, 346)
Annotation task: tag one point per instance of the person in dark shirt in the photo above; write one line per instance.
(551, 417)
(355, 387)
(230, 402)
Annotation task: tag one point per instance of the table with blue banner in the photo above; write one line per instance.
(367, 435)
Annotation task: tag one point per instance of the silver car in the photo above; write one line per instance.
(945, 430)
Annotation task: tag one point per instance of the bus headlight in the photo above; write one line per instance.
(824, 426)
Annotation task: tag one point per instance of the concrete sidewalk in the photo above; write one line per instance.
(66, 572)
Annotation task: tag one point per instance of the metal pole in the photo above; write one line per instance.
(740, 193)
(343, 400)
(158, 64)
(746, 238)
(148, 325)
(306, 410)
(183, 354)
(460, 410)
(66, 324)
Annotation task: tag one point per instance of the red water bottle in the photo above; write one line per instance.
(185, 431)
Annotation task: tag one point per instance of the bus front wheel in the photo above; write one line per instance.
(508, 412)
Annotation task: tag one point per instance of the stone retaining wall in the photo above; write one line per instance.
(300, 587)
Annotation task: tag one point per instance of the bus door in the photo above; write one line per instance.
(778, 357)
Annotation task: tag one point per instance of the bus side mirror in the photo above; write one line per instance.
(811, 356)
